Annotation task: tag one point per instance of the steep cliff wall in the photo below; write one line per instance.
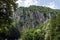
(30, 17)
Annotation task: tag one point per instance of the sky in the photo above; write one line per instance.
(54, 4)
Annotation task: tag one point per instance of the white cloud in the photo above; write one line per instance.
(30, 2)
(20, 3)
(51, 5)
(27, 3)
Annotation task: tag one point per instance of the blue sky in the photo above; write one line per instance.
(54, 4)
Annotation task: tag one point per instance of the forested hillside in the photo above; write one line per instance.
(30, 17)
(49, 30)
(28, 23)
(38, 23)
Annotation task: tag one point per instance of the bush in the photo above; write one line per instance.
(38, 35)
(27, 35)
(33, 35)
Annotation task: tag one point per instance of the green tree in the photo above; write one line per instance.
(6, 10)
(55, 26)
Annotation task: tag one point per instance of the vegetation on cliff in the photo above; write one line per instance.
(48, 29)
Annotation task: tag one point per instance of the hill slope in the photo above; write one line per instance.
(30, 17)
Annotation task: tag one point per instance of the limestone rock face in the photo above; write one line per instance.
(29, 18)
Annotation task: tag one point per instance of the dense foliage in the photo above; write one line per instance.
(32, 34)
(48, 30)
(7, 30)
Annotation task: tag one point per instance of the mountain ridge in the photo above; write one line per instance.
(29, 17)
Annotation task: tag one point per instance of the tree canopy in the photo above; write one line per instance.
(7, 7)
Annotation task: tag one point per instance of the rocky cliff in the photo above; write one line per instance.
(30, 17)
